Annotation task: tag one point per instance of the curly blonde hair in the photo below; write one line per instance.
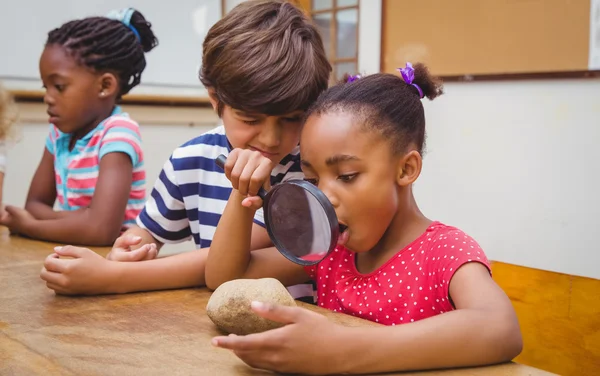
(8, 114)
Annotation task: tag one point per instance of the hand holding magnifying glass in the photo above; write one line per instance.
(300, 220)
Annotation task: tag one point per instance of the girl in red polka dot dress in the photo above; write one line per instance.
(427, 282)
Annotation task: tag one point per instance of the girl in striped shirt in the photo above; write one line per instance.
(93, 163)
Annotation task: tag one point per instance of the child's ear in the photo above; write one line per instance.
(409, 168)
(109, 85)
(212, 97)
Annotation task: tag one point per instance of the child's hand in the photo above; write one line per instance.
(122, 251)
(249, 171)
(17, 220)
(75, 271)
(309, 344)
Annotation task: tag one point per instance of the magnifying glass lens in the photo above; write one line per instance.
(300, 223)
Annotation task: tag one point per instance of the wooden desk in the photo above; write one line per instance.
(157, 333)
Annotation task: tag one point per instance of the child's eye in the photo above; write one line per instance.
(251, 122)
(347, 178)
(60, 87)
(312, 181)
(294, 119)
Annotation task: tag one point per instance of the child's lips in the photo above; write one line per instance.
(344, 234)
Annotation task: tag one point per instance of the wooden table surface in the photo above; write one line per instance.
(157, 333)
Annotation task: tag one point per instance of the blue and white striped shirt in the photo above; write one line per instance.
(191, 191)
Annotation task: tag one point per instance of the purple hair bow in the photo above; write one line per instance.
(352, 78)
(408, 75)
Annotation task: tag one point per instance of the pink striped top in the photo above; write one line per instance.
(76, 171)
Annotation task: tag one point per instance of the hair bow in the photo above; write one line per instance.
(124, 16)
(408, 75)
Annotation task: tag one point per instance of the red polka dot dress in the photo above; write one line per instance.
(411, 286)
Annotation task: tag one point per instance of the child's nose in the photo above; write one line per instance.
(330, 195)
(270, 134)
(48, 99)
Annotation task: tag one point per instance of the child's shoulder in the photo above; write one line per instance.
(449, 242)
(200, 152)
(208, 145)
(120, 120)
(441, 231)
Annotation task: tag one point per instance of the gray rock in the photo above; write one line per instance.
(229, 305)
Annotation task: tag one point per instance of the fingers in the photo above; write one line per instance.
(280, 313)
(71, 251)
(152, 253)
(127, 241)
(57, 280)
(54, 264)
(253, 203)
(254, 176)
(248, 171)
(142, 253)
(59, 290)
(250, 342)
(10, 209)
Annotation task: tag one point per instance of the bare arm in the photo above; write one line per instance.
(482, 330)
(230, 258)
(42, 191)
(90, 274)
(101, 222)
(178, 271)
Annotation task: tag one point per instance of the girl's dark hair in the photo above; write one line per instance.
(106, 44)
(385, 103)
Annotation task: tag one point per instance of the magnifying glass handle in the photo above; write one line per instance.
(221, 159)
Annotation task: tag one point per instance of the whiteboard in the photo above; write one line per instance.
(172, 67)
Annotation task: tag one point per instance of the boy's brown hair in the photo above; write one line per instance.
(8, 114)
(265, 56)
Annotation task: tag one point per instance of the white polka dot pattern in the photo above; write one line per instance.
(411, 286)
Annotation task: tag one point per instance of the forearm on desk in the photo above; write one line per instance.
(78, 228)
(455, 339)
(177, 271)
(43, 211)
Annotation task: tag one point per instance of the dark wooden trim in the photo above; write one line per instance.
(34, 96)
(522, 76)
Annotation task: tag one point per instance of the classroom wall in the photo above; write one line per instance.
(513, 163)
(516, 164)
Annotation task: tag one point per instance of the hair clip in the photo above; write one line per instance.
(124, 16)
(352, 78)
(408, 75)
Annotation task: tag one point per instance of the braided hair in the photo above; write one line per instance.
(105, 44)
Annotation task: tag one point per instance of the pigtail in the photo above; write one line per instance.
(431, 86)
(144, 28)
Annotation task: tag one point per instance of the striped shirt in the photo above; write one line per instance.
(191, 191)
(76, 171)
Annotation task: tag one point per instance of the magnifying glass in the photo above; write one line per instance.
(300, 220)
